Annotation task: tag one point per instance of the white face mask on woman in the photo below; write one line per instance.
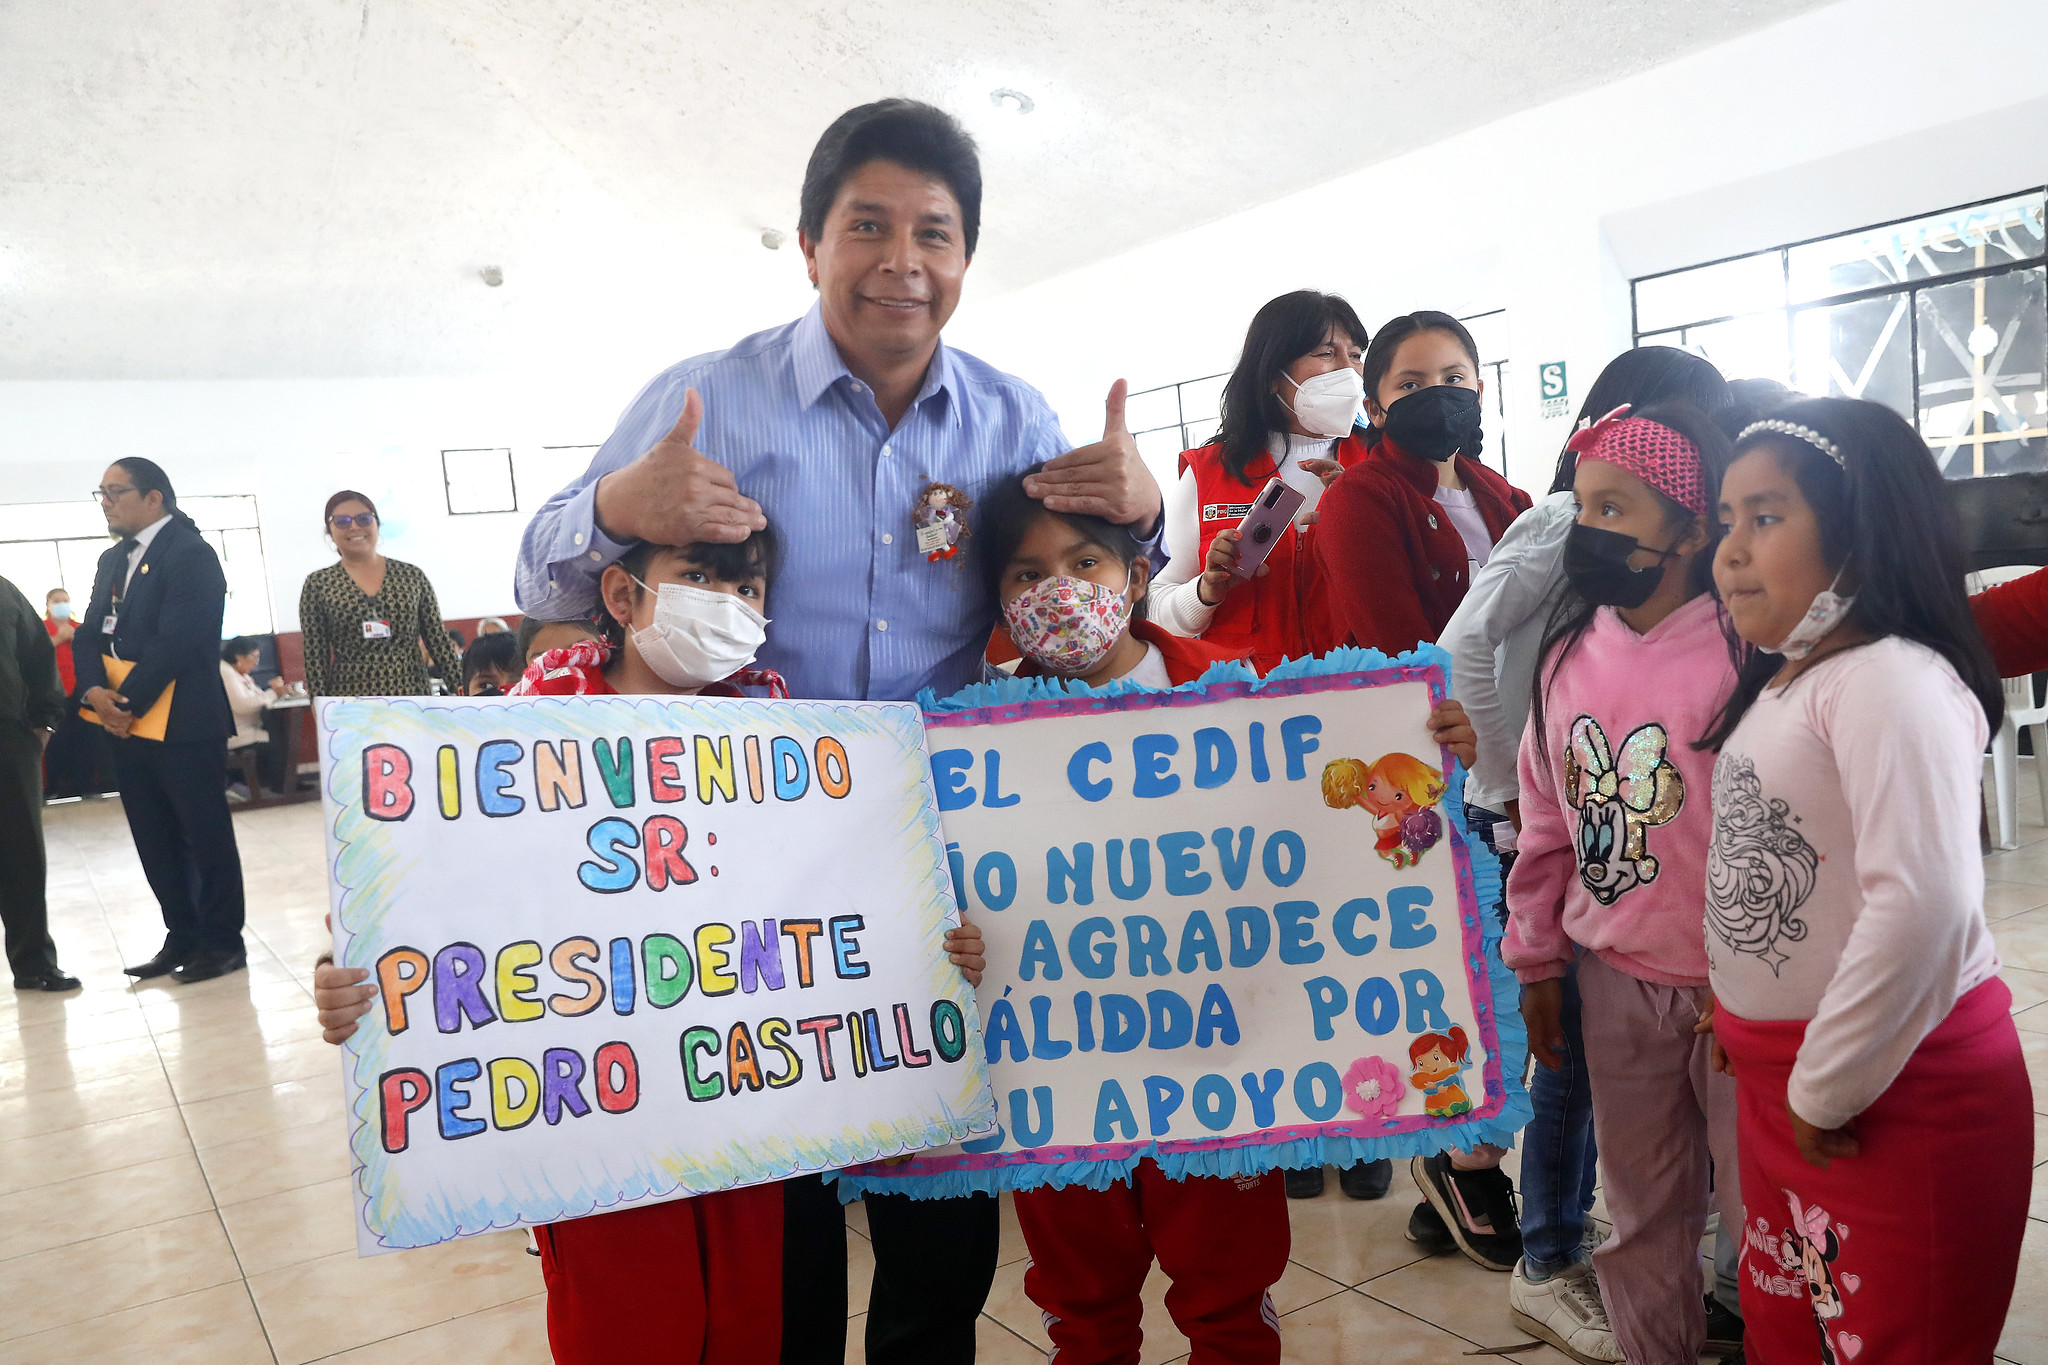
(1327, 404)
(699, 636)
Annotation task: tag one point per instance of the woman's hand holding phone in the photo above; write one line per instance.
(1218, 577)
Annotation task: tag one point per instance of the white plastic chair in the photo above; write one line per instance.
(2021, 712)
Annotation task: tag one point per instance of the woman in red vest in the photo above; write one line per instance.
(1403, 530)
(1289, 410)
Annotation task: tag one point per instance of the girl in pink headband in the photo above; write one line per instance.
(1614, 838)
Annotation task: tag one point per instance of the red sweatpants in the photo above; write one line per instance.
(1222, 1240)
(694, 1281)
(1906, 1253)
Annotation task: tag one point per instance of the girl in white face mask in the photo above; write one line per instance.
(683, 620)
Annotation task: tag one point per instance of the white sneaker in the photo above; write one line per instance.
(1565, 1310)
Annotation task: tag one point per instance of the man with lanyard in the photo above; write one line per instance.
(839, 427)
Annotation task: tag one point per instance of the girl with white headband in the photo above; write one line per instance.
(1858, 998)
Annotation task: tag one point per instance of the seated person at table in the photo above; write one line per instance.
(537, 637)
(491, 665)
(238, 659)
(1072, 590)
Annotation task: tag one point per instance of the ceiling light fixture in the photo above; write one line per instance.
(491, 275)
(772, 238)
(1011, 101)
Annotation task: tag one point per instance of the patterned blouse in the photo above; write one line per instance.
(363, 646)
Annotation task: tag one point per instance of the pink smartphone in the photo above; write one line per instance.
(1272, 512)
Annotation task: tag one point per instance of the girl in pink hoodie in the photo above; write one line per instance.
(1615, 828)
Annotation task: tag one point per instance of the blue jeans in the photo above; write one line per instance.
(1558, 1154)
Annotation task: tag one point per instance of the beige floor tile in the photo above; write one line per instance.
(37, 1037)
(86, 1280)
(216, 1326)
(2004, 899)
(61, 1070)
(1350, 1326)
(27, 1162)
(1009, 1305)
(1350, 1240)
(1453, 1293)
(170, 1013)
(1010, 1245)
(2026, 1325)
(266, 1109)
(860, 1271)
(2028, 988)
(2034, 1047)
(511, 1334)
(274, 1162)
(90, 1101)
(292, 1226)
(96, 1205)
(2022, 940)
(260, 1069)
(317, 1308)
(232, 1039)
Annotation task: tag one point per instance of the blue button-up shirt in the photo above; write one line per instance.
(856, 611)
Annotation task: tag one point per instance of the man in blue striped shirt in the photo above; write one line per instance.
(833, 427)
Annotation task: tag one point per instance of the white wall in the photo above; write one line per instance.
(294, 443)
(1842, 117)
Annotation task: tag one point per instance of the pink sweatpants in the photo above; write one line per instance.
(1660, 1113)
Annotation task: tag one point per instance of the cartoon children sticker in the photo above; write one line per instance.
(1438, 1065)
(1400, 792)
(940, 518)
(1620, 798)
(1808, 1249)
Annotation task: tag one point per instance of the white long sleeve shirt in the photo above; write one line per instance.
(1495, 639)
(1175, 604)
(1844, 884)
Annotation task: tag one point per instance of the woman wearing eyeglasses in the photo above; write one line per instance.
(365, 619)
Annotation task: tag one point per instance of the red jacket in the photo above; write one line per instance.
(1185, 659)
(2014, 619)
(1286, 614)
(1395, 563)
(578, 671)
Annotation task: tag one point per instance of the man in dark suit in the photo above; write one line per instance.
(31, 700)
(157, 602)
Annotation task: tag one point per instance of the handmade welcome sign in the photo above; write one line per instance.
(631, 949)
(1231, 927)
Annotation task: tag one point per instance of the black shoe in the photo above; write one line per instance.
(1426, 1229)
(1724, 1330)
(206, 966)
(163, 964)
(46, 979)
(1366, 1179)
(1477, 1206)
(1306, 1184)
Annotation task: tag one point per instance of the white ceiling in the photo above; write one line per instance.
(274, 188)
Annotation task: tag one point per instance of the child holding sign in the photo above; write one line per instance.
(1615, 823)
(697, 1278)
(1855, 980)
(1072, 590)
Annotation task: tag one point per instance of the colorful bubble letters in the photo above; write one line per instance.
(630, 949)
(1231, 927)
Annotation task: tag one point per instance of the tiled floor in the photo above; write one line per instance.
(173, 1179)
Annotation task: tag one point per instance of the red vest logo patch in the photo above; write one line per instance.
(1226, 511)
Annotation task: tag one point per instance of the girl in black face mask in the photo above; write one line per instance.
(1402, 531)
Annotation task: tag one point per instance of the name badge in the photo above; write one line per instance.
(376, 630)
(107, 626)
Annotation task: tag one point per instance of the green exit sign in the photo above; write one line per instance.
(1556, 389)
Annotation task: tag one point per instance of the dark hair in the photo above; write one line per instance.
(1750, 400)
(910, 133)
(1282, 332)
(1646, 377)
(148, 477)
(346, 495)
(757, 554)
(234, 649)
(1379, 357)
(1889, 517)
(1571, 615)
(1007, 512)
(499, 651)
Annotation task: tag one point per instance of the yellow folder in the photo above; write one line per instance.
(149, 725)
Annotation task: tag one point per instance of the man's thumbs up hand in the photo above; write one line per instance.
(674, 495)
(1106, 479)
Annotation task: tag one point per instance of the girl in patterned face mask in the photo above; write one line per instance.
(1859, 1003)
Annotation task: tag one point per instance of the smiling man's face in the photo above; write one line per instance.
(888, 264)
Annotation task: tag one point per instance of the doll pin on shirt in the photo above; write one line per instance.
(940, 519)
